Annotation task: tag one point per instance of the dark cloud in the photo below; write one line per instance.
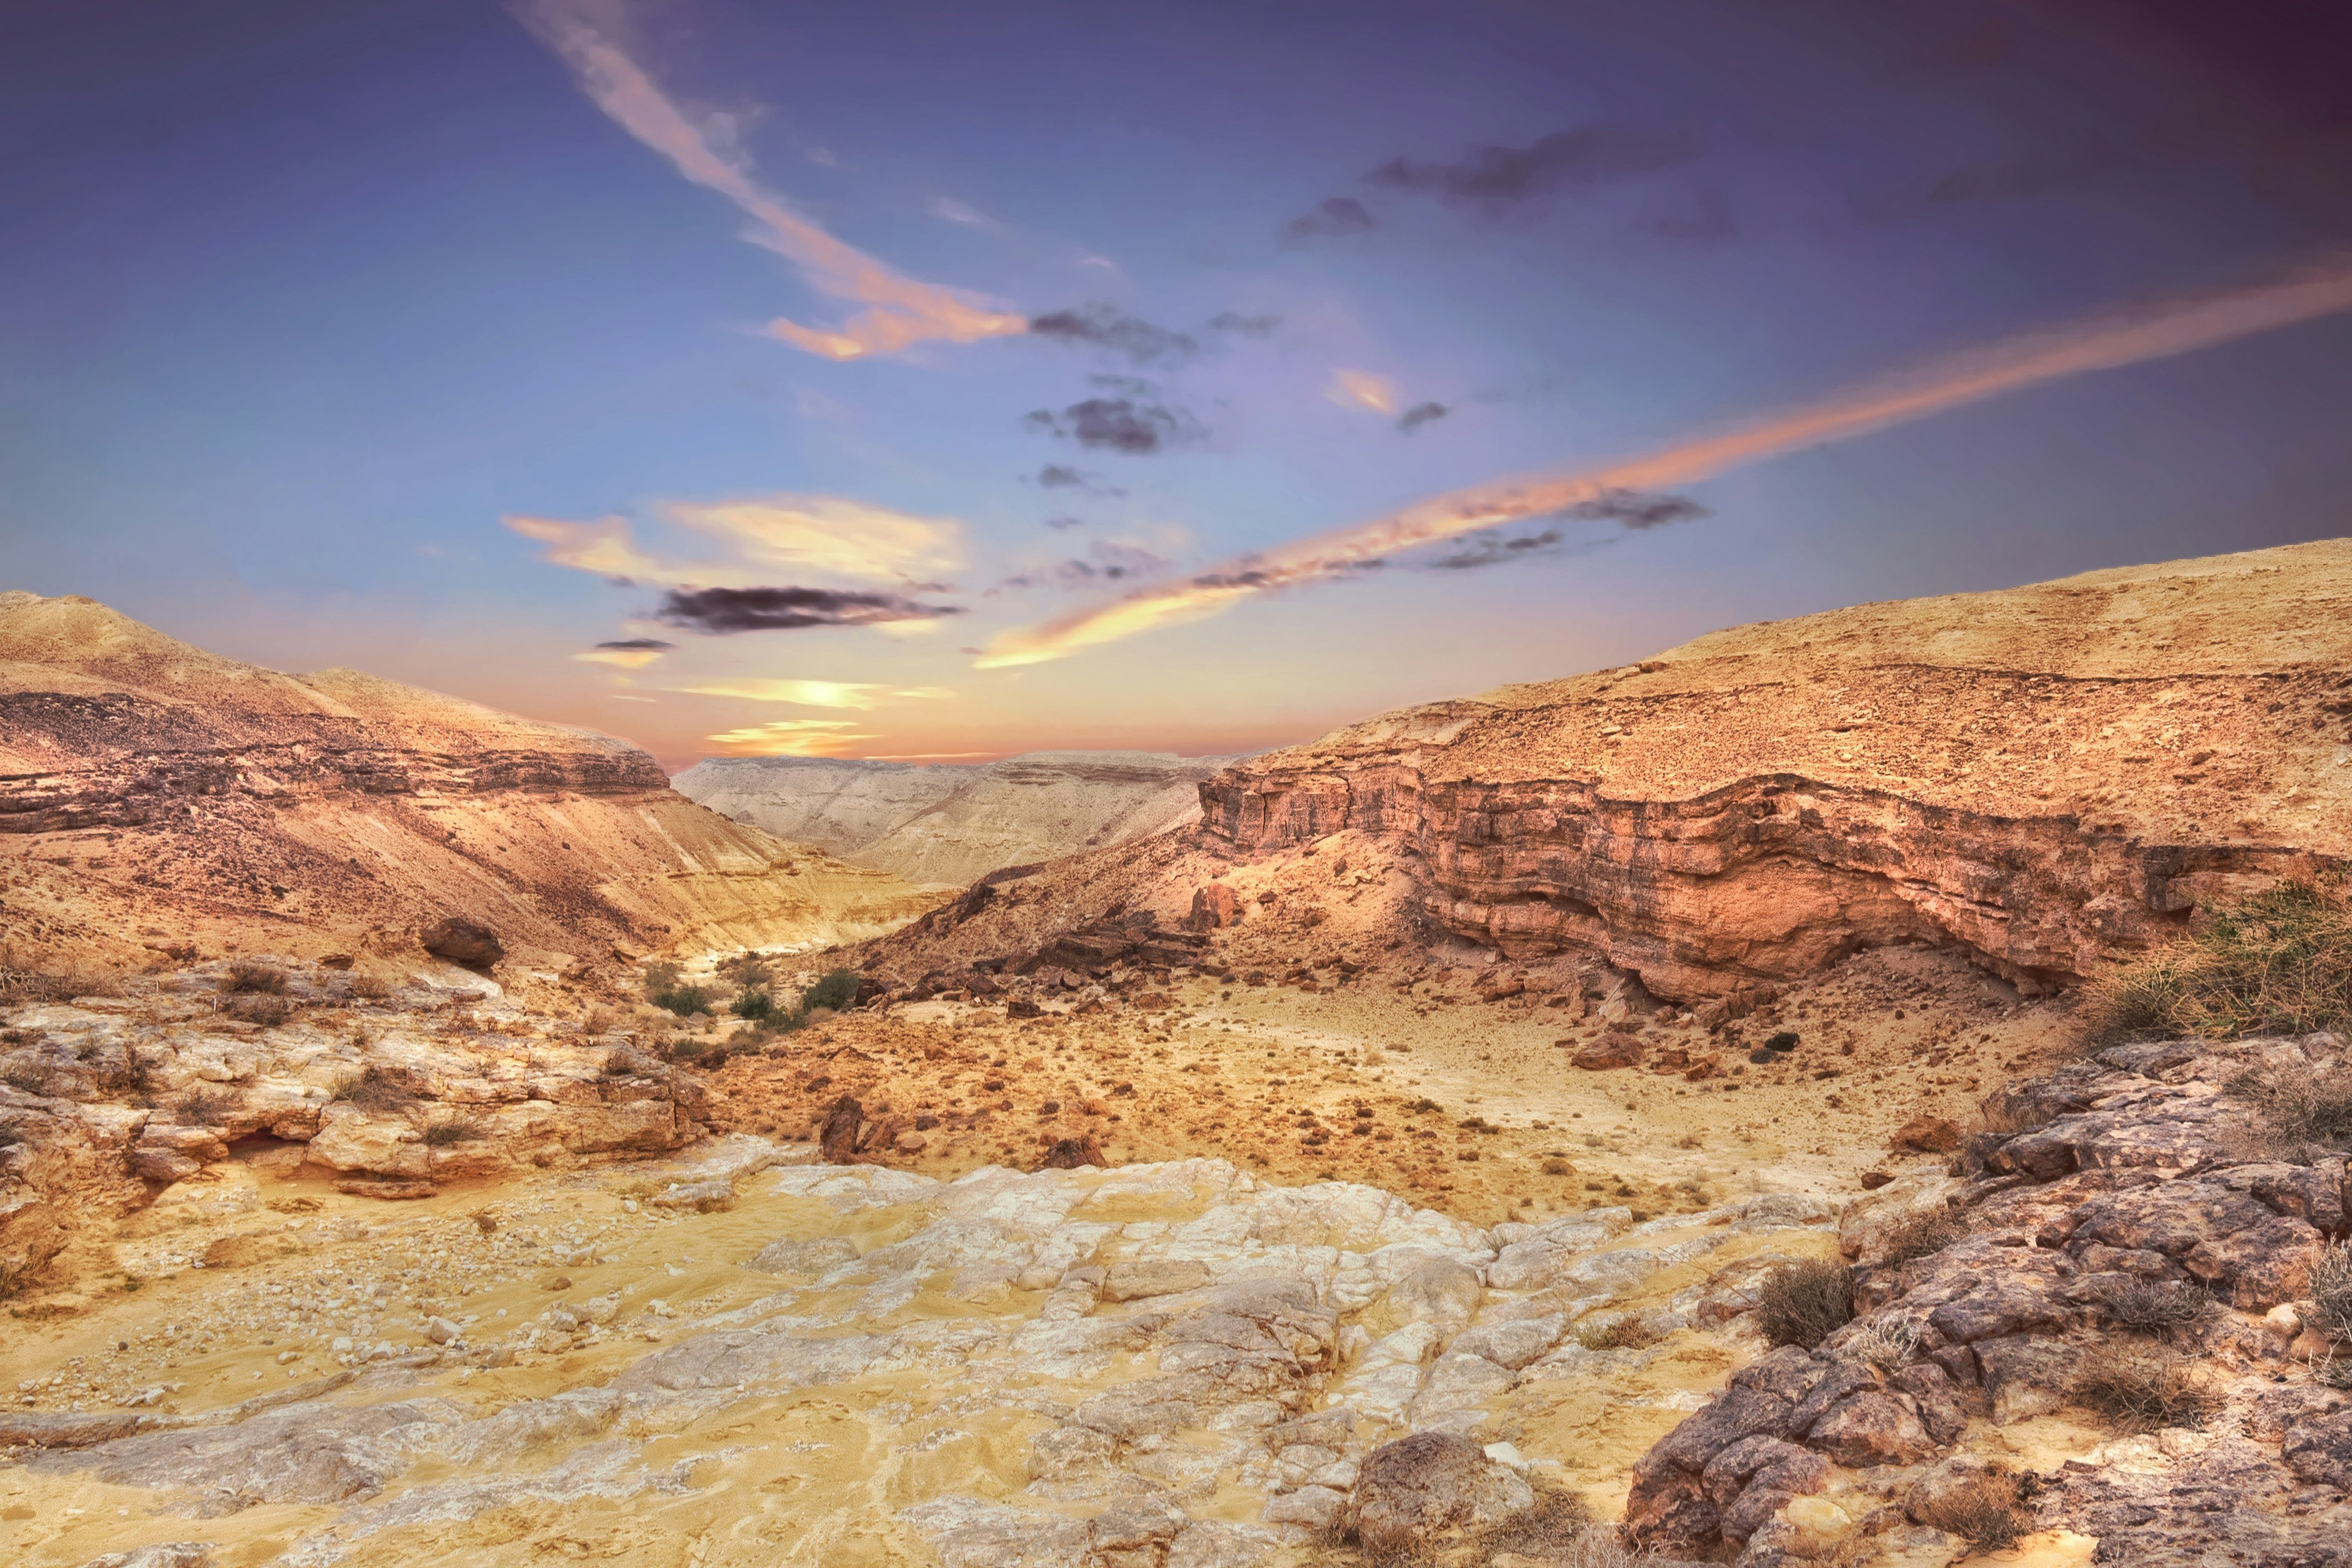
(1494, 549)
(2038, 172)
(1421, 414)
(1061, 476)
(1119, 424)
(1636, 510)
(638, 644)
(1242, 326)
(1338, 216)
(1107, 326)
(719, 612)
(1064, 524)
(1498, 176)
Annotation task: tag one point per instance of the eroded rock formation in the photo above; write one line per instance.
(2049, 775)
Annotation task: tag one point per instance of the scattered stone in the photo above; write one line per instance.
(462, 941)
(1421, 1492)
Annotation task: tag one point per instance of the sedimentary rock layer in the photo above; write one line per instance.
(150, 788)
(2049, 775)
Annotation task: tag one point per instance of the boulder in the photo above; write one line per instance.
(1215, 906)
(1614, 1049)
(1869, 1225)
(1070, 1153)
(462, 941)
(1413, 1494)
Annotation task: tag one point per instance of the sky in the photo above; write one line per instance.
(943, 381)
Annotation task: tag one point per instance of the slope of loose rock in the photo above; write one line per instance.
(156, 794)
(953, 823)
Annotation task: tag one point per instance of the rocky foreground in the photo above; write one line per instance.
(598, 1333)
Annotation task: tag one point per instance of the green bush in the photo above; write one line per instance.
(837, 990)
(685, 1001)
(2277, 963)
(757, 1006)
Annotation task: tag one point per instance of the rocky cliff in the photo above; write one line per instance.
(152, 793)
(2047, 775)
(953, 823)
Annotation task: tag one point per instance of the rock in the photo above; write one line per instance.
(1441, 1292)
(31, 1233)
(1613, 1050)
(2319, 1452)
(1870, 1428)
(1073, 1153)
(1755, 1479)
(44, 1429)
(170, 1555)
(809, 1259)
(1317, 1509)
(1215, 906)
(2264, 1264)
(1133, 1280)
(442, 1331)
(1926, 1135)
(308, 1453)
(967, 1532)
(1868, 1225)
(1413, 1494)
(388, 1190)
(838, 1138)
(1022, 1007)
(699, 1198)
(462, 941)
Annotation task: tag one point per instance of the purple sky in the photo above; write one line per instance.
(827, 345)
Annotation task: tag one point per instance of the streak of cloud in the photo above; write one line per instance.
(1119, 424)
(1358, 389)
(1336, 217)
(900, 311)
(2170, 327)
(792, 738)
(1061, 476)
(1498, 176)
(826, 535)
(1109, 327)
(853, 694)
(1421, 414)
(723, 611)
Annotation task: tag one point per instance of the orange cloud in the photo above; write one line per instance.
(822, 537)
(2171, 327)
(1358, 389)
(792, 738)
(900, 312)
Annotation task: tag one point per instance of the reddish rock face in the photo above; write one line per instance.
(2049, 776)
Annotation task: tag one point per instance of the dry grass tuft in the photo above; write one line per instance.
(2331, 1292)
(1623, 1333)
(442, 1134)
(1804, 1303)
(2143, 1387)
(262, 1008)
(254, 979)
(206, 1107)
(22, 982)
(2300, 1118)
(378, 1090)
(1985, 1513)
(2279, 963)
(2157, 1309)
(1923, 1235)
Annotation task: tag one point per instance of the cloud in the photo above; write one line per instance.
(1421, 414)
(1634, 510)
(1494, 549)
(721, 611)
(1242, 326)
(1059, 476)
(946, 209)
(900, 311)
(1110, 560)
(1119, 424)
(1060, 524)
(1107, 326)
(1586, 156)
(825, 535)
(1338, 215)
(2177, 326)
(1358, 389)
(855, 694)
(630, 653)
(793, 738)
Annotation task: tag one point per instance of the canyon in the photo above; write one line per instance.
(953, 823)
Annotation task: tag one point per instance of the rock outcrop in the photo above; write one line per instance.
(2131, 1221)
(2048, 775)
(153, 795)
(953, 823)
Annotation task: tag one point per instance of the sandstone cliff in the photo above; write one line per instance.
(953, 823)
(2048, 775)
(152, 793)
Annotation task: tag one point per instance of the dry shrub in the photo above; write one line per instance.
(268, 1011)
(1804, 1303)
(368, 988)
(206, 1107)
(2331, 1292)
(2278, 963)
(2142, 1387)
(253, 978)
(22, 981)
(1888, 1342)
(1925, 1235)
(1987, 1511)
(442, 1134)
(2299, 1116)
(2157, 1309)
(378, 1090)
(1623, 1333)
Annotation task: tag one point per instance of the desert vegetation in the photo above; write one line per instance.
(1803, 1303)
(2279, 961)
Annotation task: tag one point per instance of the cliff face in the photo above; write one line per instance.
(150, 790)
(953, 823)
(2049, 775)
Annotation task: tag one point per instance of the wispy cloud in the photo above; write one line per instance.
(793, 738)
(1338, 215)
(1361, 389)
(1498, 176)
(1119, 424)
(824, 536)
(1110, 328)
(629, 652)
(2171, 327)
(1421, 414)
(852, 694)
(900, 311)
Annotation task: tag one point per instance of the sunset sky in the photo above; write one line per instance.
(930, 379)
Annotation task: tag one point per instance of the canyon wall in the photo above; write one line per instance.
(2051, 776)
(153, 795)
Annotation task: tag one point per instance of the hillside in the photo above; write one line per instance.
(953, 823)
(157, 795)
(2041, 777)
